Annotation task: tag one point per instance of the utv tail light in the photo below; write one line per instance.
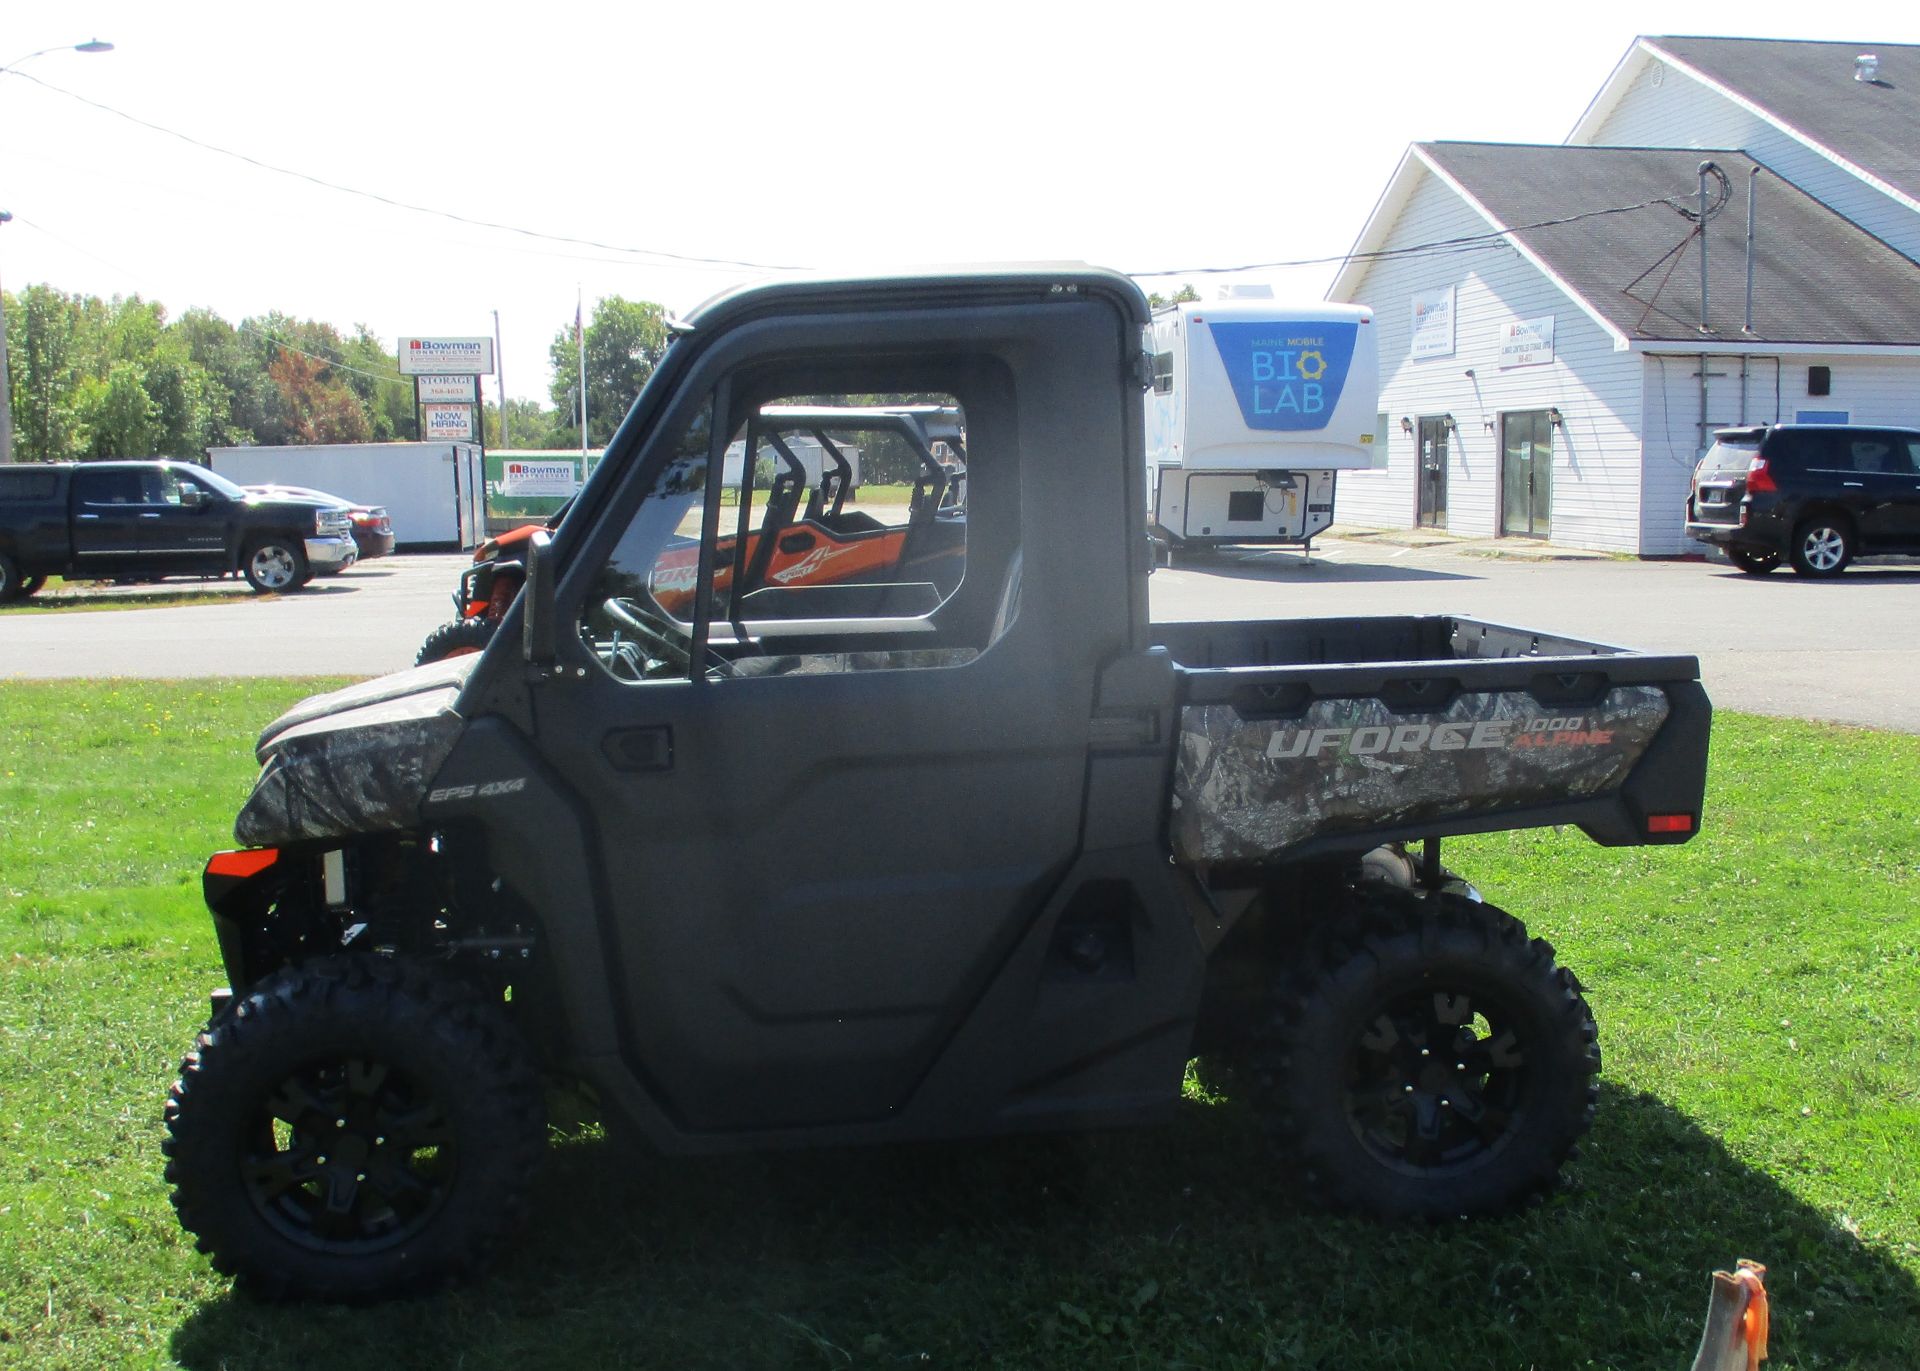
(1669, 823)
(248, 862)
(1759, 479)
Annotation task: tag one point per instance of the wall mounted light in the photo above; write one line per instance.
(1446, 422)
(1406, 424)
(1555, 417)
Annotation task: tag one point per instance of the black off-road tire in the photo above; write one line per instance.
(1822, 545)
(1432, 1061)
(275, 565)
(456, 638)
(354, 1129)
(1752, 560)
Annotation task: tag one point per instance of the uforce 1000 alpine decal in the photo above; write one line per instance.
(1246, 790)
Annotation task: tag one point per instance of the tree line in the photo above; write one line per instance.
(90, 378)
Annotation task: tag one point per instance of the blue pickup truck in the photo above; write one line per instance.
(150, 520)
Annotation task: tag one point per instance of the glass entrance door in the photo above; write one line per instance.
(1526, 473)
(1433, 473)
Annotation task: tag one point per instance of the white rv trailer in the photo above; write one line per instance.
(1253, 409)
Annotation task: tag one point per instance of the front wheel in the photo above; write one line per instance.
(456, 638)
(275, 565)
(354, 1129)
(1438, 1062)
(1753, 561)
(1822, 546)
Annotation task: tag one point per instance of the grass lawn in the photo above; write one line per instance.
(63, 596)
(1757, 992)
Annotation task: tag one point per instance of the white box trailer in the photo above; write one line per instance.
(434, 492)
(1253, 409)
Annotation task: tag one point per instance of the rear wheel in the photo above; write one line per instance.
(354, 1129)
(1437, 1062)
(457, 638)
(1822, 546)
(1754, 561)
(12, 587)
(275, 565)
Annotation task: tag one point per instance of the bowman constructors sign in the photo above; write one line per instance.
(430, 356)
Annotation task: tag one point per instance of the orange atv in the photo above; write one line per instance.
(820, 543)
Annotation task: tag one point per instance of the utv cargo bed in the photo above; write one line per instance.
(1311, 736)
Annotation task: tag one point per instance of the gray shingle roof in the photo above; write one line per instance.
(1818, 278)
(1810, 87)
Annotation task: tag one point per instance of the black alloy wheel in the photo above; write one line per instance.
(354, 1129)
(1435, 1063)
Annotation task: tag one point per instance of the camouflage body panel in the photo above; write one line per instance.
(363, 769)
(1247, 790)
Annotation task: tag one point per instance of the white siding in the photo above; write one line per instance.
(1596, 460)
(1872, 390)
(1665, 108)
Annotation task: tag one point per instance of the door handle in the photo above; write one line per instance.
(86, 516)
(149, 516)
(640, 749)
(1854, 485)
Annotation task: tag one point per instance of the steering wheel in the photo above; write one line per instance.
(657, 633)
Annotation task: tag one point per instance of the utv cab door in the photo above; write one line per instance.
(825, 813)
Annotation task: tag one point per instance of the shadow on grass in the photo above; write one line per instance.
(1178, 1246)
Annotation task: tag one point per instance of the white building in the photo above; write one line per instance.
(1548, 365)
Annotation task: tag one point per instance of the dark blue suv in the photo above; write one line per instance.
(1813, 495)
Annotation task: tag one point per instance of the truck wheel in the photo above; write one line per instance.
(354, 1129)
(1822, 546)
(274, 564)
(457, 638)
(1437, 1063)
(11, 586)
(1752, 560)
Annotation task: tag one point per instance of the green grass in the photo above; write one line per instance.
(1756, 989)
(59, 598)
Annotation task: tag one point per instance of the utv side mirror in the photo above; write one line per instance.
(537, 638)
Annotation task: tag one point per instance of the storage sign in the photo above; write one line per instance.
(1286, 376)
(458, 390)
(538, 478)
(426, 356)
(449, 421)
(1526, 342)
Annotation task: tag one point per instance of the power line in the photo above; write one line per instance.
(393, 203)
(1439, 246)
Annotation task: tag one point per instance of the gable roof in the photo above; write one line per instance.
(1806, 89)
(1818, 278)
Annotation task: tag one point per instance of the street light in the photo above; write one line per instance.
(6, 384)
(91, 45)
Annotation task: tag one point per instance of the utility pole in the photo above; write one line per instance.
(499, 384)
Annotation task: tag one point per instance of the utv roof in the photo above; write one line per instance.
(995, 282)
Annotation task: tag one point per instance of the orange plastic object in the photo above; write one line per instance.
(1753, 1323)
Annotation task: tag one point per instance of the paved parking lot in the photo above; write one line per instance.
(1846, 649)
